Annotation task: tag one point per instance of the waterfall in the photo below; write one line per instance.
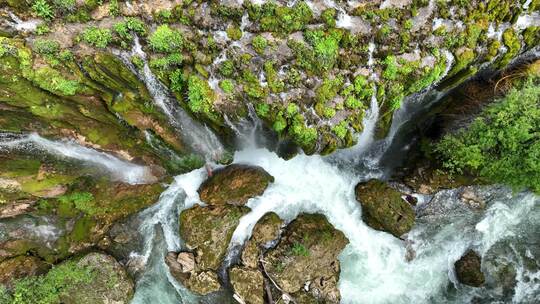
(196, 135)
(24, 26)
(119, 169)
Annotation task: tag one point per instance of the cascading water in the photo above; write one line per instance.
(198, 136)
(119, 169)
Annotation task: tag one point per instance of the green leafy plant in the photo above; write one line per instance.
(164, 39)
(43, 9)
(259, 44)
(226, 85)
(98, 37)
(503, 144)
(200, 95)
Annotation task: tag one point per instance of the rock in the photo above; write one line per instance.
(234, 184)
(500, 263)
(14, 209)
(307, 256)
(469, 197)
(184, 269)
(266, 230)
(203, 282)
(468, 269)
(110, 283)
(183, 262)
(21, 267)
(248, 284)
(383, 208)
(208, 231)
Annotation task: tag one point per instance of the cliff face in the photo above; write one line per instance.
(311, 70)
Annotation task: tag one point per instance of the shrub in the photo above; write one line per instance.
(49, 287)
(227, 86)
(200, 95)
(259, 44)
(502, 145)
(97, 37)
(43, 9)
(164, 39)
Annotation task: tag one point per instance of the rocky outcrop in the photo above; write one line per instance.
(306, 258)
(248, 284)
(266, 230)
(110, 283)
(468, 269)
(184, 269)
(234, 184)
(383, 208)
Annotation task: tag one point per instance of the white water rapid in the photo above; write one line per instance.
(119, 169)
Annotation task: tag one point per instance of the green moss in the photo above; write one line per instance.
(252, 87)
(281, 19)
(43, 9)
(262, 109)
(226, 68)
(130, 25)
(234, 32)
(53, 81)
(329, 17)
(227, 86)
(340, 129)
(259, 44)
(200, 95)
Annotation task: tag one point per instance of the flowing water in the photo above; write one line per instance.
(118, 169)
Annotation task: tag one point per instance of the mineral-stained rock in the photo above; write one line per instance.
(208, 231)
(468, 269)
(234, 184)
(203, 282)
(184, 269)
(306, 254)
(110, 282)
(20, 267)
(383, 208)
(248, 284)
(266, 230)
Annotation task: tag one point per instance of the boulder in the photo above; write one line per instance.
(468, 270)
(110, 282)
(306, 257)
(383, 208)
(248, 284)
(234, 184)
(266, 230)
(208, 231)
(20, 267)
(183, 268)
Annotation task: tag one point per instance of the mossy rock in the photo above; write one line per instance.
(384, 209)
(21, 267)
(266, 230)
(234, 184)
(248, 284)
(208, 230)
(308, 252)
(468, 269)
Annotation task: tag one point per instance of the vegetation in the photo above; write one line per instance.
(98, 37)
(200, 95)
(49, 288)
(299, 250)
(503, 144)
(166, 40)
(259, 44)
(43, 9)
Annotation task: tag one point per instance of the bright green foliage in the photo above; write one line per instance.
(234, 32)
(513, 44)
(65, 5)
(200, 95)
(391, 68)
(167, 61)
(274, 81)
(97, 37)
(42, 29)
(226, 68)
(325, 48)
(130, 25)
(164, 39)
(352, 102)
(262, 109)
(299, 250)
(328, 89)
(252, 87)
(329, 17)
(340, 129)
(279, 124)
(43, 9)
(227, 86)
(52, 81)
(177, 80)
(47, 289)
(259, 44)
(503, 144)
(303, 135)
(114, 8)
(362, 88)
(46, 47)
(282, 19)
(292, 109)
(329, 112)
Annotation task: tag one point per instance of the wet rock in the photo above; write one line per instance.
(472, 199)
(248, 284)
(306, 258)
(234, 184)
(208, 231)
(266, 230)
(184, 269)
(110, 282)
(183, 262)
(20, 267)
(383, 208)
(203, 282)
(468, 269)
(500, 263)
(14, 209)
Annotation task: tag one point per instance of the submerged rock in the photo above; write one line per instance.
(468, 269)
(234, 184)
(383, 208)
(306, 258)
